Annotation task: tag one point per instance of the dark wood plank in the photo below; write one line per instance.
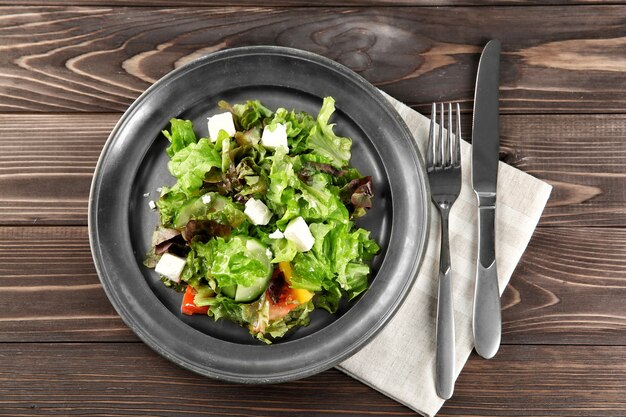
(583, 157)
(92, 59)
(47, 164)
(50, 290)
(129, 379)
(45, 177)
(542, 381)
(568, 289)
(301, 3)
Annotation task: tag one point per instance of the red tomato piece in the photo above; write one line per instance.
(280, 296)
(189, 307)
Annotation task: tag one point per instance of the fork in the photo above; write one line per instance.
(444, 175)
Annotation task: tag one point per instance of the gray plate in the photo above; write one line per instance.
(133, 163)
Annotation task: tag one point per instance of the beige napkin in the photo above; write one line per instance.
(400, 361)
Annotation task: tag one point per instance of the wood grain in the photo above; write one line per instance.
(68, 59)
(45, 176)
(50, 290)
(128, 379)
(542, 381)
(583, 157)
(569, 289)
(302, 3)
(47, 164)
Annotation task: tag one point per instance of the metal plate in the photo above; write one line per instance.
(133, 163)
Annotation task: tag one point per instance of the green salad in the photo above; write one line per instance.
(259, 226)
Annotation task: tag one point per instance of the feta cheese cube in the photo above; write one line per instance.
(274, 139)
(269, 253)
(257, 212)
(170, 267)
(298, 232)
(222, 121)
(206, 199)
(276, 234)
(151, 204)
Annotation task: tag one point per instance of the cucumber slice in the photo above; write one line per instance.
(197, 209)
(194, 209)
(250, 293)
(230, 291)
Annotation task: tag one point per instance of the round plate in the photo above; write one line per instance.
(133, 165)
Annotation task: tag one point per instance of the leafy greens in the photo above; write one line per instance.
(253, 273)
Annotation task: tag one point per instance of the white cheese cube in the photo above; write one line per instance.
(151, 204)
(274, 139)
(257, 212)
(276, 234)
(206, 199)
(222, 121)
(298, 232)
(170, 267)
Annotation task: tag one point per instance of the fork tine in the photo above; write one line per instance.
(439, 144)
(456, 154)
(447, 144)
(430, 150)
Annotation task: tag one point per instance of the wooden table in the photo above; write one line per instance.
(68, 71)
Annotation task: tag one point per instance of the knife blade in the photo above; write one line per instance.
(486, 321)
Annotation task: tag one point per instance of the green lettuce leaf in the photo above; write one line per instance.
(181, 135)
(329, 298)
(299, 316)
(281, 176)
(249, 115)
(356, 278)
(225, 307)
(190, 165)
(171, 202)
(283, 250)
(198, 264)
(233, 265)
(298, 126)
(323, 141)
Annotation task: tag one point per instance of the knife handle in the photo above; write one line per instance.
(487, 321)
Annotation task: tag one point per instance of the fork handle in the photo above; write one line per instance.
(487, 321)
(445, 318)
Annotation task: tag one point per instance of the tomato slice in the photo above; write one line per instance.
(280, 296)
(189, 307)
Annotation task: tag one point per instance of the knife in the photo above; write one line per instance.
(487, 321)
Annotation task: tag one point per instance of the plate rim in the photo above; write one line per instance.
(361, 341)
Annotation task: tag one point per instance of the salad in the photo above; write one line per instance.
(259, 226)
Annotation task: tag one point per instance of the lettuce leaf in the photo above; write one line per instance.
(198, 263)
(335, 259)
(249, 115)
(281, 176)
(190, 164)
(323, 141)
(299, 316)
(177, 209)
(181, 135)
(329, 298)
(232, 264)
(283, 250)
(225, 307)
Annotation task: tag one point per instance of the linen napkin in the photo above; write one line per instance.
(400, 361)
